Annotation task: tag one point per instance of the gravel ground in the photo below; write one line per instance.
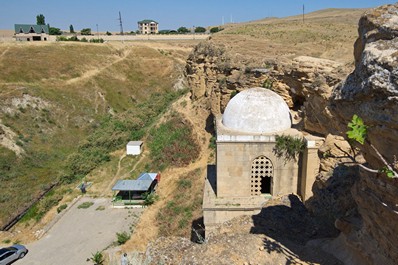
(79, 233)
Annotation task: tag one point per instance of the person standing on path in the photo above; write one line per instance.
(124, 260)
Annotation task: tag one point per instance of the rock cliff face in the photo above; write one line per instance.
(327, 100)
(371, 91)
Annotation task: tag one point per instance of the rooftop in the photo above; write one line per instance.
(257, 110)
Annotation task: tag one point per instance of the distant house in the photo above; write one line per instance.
(131, 192)
(134, 147)
(148, 26)
(28, 32)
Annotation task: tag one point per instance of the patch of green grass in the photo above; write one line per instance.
(61, 208)
(122, 237)
(100, 208)
(176, 217)
(85, 205)
(172, 143)
(6, 241)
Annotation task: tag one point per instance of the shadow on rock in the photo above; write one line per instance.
(288, 227)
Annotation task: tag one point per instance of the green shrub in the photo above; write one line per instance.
(85, 205)
(61, 208)
(122, 237)
(97, 258)
(184, 183)
(149, 198)
(289, 147)
(172, 143)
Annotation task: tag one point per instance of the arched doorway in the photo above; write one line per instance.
(261, 176)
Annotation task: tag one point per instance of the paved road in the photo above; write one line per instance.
(78, 234)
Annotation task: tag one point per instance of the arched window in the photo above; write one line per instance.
(261, 177)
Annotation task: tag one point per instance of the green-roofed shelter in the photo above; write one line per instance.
(148, 26)
(31, 32)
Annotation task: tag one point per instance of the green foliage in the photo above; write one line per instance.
(233, 94)
(288, 147)
(387, 171)
(200, 30)
(183, 30)
(71, 29)
(101, 40)
(108, 33)
(149, 198)
(55, 31)
(268, 84)
(40, 20)
(358, 130)
(84, 40)
(61, 208)
(215, 30)
(184, 184)
(183, 206)
(113, 132)
(39, 209)
(6, 241)
(172, 143)
(85, 205)
(122, 237)
(85, 31)
(212, 143)
(97, 258)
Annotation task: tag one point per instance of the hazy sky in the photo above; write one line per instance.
(170, 14)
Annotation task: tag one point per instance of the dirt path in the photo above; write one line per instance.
(144, 234)
(90, 73)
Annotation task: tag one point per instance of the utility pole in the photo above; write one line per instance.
(121, 24)
(97, 32)
(303, 13)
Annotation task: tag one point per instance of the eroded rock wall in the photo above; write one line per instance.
(327, 99)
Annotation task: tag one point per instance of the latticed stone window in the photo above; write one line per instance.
(261, 176)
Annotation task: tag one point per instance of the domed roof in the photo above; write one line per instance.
(257, 110)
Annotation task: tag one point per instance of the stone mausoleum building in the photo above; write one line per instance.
(248, 172)
(148, 26)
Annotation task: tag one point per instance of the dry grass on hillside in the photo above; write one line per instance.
(328, 34)
(80, 83)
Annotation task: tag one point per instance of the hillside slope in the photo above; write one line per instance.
(54, 95)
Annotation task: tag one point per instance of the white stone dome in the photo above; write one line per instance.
(257, 110)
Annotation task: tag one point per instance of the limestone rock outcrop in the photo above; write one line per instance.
(327, 103)
(215, 75)
(371, 91)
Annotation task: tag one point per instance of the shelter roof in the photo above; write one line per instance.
(132, 185)
(134, 143)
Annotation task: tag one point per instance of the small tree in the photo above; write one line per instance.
(214, 30)
(357, 133)
(55, 31)
(71, 29)
(40, 20)
(182, 30)
(200, 30)
(108, 33)
(86, 31)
